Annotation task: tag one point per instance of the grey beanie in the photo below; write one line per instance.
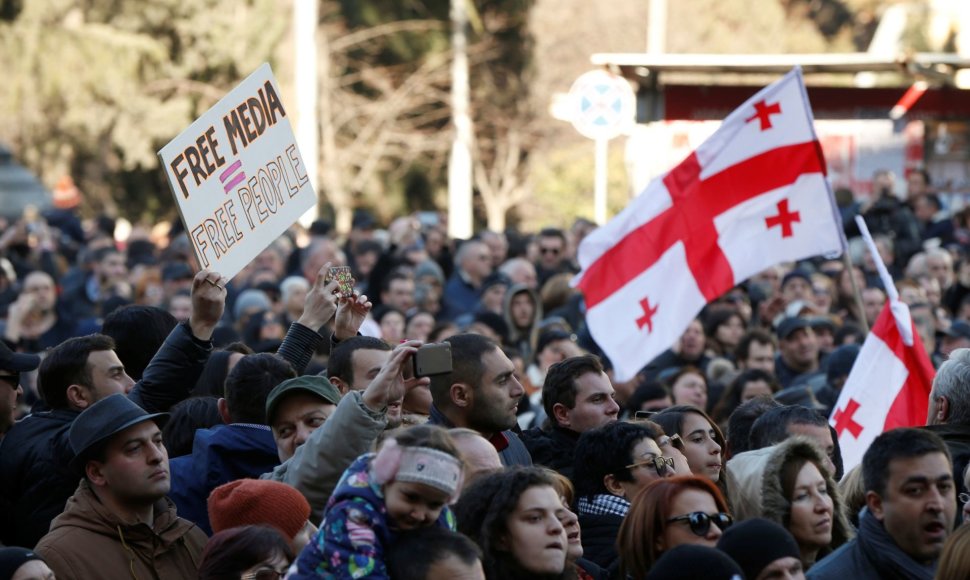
(248, 299)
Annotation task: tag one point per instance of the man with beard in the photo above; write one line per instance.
(910, 506)
(480, 393)
(797, 361)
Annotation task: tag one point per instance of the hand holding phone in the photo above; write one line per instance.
(432, 359)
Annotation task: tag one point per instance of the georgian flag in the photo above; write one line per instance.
(753, 195)
(889, 384)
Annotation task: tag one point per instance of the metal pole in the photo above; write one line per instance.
(307, 94)
(460, 163)
(600, 184)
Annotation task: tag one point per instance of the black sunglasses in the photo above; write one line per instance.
(13, 379)
(700, 523)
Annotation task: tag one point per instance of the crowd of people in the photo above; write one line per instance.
(161, 421)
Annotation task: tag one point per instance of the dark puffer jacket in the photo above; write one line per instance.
(553, 449)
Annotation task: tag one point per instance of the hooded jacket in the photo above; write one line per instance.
(523, 340)
(219, 455)
(90, 541)
(355, 535)
(755, 488)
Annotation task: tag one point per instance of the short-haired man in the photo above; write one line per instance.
(480, 393)
(242, 447)
(756, 350)
(34, 484)
(553, 254)
(317, 442)
(910, 506)
(397, 290)
(949, 409)
(577, 396)
(473, 263)
(435, 553)
(741, 421)
(797, 360)
(119, 524)
(478, 456)
(11, 365)
(780, 423)
(355, 362)
(109, 277)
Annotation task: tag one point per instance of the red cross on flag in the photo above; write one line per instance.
(889, 385)
(753, 195)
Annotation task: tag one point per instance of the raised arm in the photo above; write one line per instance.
(176, 366)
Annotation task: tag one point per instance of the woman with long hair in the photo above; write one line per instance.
(789, 484)
(746, 386)
(515, 518)
(702, 439)
(724, 328)
(666, 514)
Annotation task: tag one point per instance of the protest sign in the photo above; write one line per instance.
(237, 175)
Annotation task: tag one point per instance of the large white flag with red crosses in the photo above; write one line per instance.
(889, 384)
(753, 195)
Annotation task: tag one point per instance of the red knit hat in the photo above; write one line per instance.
(258, 501)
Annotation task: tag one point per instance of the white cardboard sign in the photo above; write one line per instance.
(237, 175)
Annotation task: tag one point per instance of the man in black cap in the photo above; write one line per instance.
(34, 481)
(957, 336)
(11, 365)
(119, 523)
(797, 360)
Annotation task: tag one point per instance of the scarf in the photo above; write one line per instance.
(882, 551)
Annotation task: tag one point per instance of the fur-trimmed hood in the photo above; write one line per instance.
(754, 484)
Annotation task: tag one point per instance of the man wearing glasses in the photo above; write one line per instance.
(577, 396)
(11, 365)
(553, 258)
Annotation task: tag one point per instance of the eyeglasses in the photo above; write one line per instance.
(12, 379)
(553, 251)
(661, 464)
(673, 440)
(964, 497)
(700, 523)
(263, 574)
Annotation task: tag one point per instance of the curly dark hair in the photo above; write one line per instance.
(484, 509)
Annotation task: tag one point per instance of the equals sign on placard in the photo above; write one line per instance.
(230, 178)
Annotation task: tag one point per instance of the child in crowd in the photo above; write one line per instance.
(406, 485)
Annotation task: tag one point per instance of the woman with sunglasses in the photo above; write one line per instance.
(789, 484)
(669, 513)
(246, 553)
(611, 464)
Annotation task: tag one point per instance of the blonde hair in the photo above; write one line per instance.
(955, 561)
(853, 490)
